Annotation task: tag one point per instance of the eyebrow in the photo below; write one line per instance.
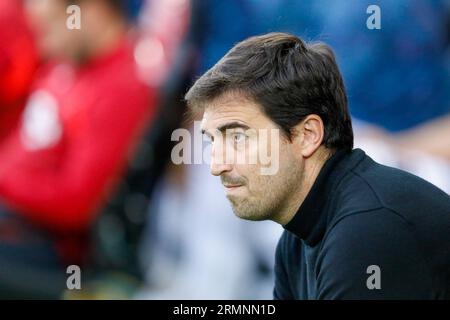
(229, 125)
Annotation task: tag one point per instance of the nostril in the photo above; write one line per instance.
(218, 169)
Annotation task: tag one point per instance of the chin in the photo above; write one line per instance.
(251, 210)
(244, 213)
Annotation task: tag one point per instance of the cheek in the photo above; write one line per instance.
(291, 167)
(251, 173)
(288, 155)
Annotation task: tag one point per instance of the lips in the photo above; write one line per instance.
(232, 183)
(232, 186)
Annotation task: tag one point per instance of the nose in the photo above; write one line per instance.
(218, 169)
(218, 163)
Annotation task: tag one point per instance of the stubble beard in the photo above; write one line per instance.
(271, 201)
(265, 207)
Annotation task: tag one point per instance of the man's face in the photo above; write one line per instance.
(241, 134)
(55, 30)
(47, 19)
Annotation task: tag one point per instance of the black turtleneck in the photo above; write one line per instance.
(366, 231)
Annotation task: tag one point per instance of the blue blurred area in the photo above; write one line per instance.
(134, 8)
(397, 77)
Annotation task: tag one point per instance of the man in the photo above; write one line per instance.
(86, 112)
(354, 229)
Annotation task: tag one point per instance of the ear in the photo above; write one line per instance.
(310, 133)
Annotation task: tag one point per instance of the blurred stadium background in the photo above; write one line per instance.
(86, 118)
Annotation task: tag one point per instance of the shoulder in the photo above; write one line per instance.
(368, 228)
(359, 242)
(392, 185)
(370, 185)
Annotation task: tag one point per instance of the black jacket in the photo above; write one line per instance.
(366, 231)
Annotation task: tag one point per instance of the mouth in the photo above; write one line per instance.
(232, 186)
(235, 190)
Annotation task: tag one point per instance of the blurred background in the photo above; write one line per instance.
(86, 117)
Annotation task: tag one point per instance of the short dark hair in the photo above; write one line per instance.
(288, 78)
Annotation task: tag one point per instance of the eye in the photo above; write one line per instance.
(239, 137)
(209, 139)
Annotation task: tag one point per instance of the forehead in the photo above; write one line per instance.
(234, 108)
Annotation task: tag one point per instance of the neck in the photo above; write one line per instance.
(311, 170)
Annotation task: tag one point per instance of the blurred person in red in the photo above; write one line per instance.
(18, 62)
(81, 123)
